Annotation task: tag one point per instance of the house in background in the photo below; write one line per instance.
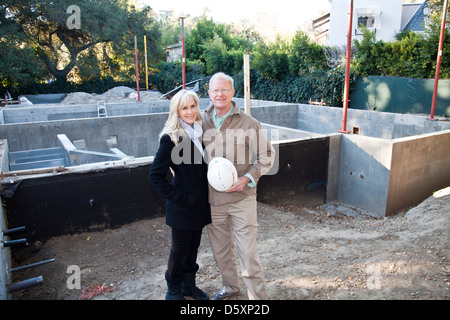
(320, 28)
(414, 16)
(385, 17)
(174, 52)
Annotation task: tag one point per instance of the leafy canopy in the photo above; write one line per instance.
(47, 27)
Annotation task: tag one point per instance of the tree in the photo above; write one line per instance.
(18, 64)
(412, 55)
(272, 60)
(367, 55)
(305, 55)
(59, 32)
(207, 32)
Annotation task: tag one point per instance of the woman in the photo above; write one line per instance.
(187, 207)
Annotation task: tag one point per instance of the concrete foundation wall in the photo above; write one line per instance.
(359, 165)
(131, 128)
(334, 165)
(383, 176)
(420, 166)
(53, 112)
(135, 135)
(5, 259)
(71, 202)
(302, 170)
(317, 119)
(5, 253)
(364, 172)
(107, 195)
(384, 125)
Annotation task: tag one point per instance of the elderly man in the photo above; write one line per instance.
(237, 136)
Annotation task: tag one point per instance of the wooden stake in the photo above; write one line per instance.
(146, 68)
(247, 83)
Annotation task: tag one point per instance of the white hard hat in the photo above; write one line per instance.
(221, 174)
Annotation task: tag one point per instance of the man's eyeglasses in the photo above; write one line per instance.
(224, 91)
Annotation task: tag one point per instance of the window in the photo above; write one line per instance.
(366, 21)
(368, 18)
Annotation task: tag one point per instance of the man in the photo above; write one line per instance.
(237, 136)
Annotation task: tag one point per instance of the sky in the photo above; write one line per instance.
(288, 15)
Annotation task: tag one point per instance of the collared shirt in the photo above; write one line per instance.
(218, 121)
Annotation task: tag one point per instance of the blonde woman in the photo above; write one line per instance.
(187, 207)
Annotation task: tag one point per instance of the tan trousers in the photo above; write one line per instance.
(237, 221)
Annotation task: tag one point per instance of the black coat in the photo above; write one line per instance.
(187, 206)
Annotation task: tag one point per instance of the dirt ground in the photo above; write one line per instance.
(329, 251)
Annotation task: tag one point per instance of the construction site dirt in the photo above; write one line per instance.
(329, 251)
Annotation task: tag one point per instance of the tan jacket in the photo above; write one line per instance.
(241, 140)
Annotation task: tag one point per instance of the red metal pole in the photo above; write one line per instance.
(183, 52)
(137, 68)
(438, 62)
(347, 68)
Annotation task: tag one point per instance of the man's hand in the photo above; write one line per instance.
(239, 185)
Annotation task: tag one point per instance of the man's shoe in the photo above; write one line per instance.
(223, 294)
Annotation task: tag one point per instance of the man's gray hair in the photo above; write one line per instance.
(223, 76)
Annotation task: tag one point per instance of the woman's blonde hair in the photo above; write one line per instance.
(173, 126)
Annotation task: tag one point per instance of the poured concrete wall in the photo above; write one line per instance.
(420, 166)
(107, 195)
(302, 168)
(383, 176)
(389, 165)
(281, 113)
(132, 128)
(359, 167)
(318, 119)
(384, 125)
(135, 135)
(5, 259)
(334, 165)
(5, 253)
(364, 172)
(53, 112)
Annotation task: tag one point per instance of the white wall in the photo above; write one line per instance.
(389, 25)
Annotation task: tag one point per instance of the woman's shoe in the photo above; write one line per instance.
(189, 289)
(174, 291)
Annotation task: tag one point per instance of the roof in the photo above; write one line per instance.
(174, 46)
(413, 16)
